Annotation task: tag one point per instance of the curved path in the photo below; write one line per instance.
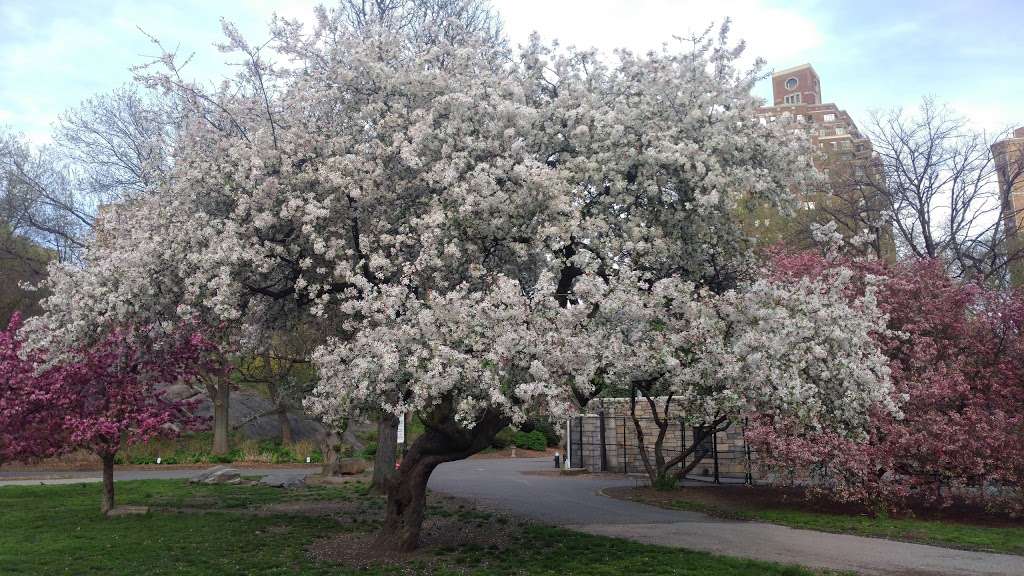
(575, 502)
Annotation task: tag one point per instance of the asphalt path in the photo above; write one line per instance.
(522, 487)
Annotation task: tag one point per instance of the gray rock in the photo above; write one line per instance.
(283, 481)
(245, 404)
(179, 391)
(217, 475)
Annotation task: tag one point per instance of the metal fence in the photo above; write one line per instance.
(608, 443)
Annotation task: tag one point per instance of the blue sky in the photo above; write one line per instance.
(870, 54)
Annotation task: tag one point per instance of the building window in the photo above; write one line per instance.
(791, 83)
(829, 118)
(801, 118)
(792, 98)
(840, 130)
(846, 145)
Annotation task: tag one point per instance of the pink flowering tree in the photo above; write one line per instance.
(30, 405)
(954, 352)
(99, 397)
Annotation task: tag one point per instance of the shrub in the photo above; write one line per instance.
(666, 482)
(531, 440)
(370, 450)
(504, 439)
(546, 427)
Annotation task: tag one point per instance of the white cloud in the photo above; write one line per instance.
(992, 117)
(780, 35)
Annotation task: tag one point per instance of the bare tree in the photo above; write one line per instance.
(40, 201)
(120, 142)
(110, 149)
(939, 184)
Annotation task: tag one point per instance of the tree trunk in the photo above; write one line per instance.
(286, 426)
(443, 441)
(386, 456)
(220, 394)
(407, 500)
(108, 483)
(330, 446)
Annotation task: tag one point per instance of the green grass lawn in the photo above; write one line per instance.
(1005, 539)
(220, 530)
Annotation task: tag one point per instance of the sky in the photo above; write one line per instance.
(870, 54)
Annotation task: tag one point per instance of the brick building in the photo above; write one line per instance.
(1009, 161)
(841, 152)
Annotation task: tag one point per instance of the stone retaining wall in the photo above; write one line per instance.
(621, 452)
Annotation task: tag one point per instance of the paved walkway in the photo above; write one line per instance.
(575, 502)
(30, 477)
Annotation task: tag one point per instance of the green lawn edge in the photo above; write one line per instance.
(59, 530)
(1005, 540)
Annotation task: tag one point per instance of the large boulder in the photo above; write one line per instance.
(246, 404)
(283, 481)
(217, 475)
(180, 391)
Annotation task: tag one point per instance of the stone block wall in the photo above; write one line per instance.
(621, 451)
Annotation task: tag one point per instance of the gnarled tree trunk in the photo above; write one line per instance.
(443, 441)
(330, 447)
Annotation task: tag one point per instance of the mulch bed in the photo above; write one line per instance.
(726, 498)
(441, 534)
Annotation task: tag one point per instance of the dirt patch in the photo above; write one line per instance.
(439, 538)
(731, 501)
(452, 524)
(320, 508)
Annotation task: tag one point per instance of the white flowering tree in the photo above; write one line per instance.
(796, 351)
(464, 218)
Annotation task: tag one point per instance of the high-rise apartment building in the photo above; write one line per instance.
(841, 153)
(1009, 161)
